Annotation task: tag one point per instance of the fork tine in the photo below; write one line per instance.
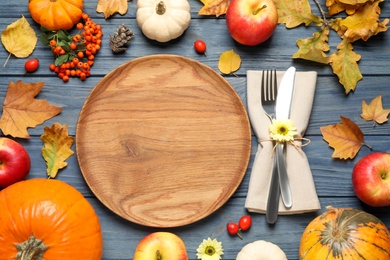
(274, 85)
(269, 85)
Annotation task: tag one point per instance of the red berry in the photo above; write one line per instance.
(232, 229)
(31, 65)
(200, 46)
(245, 222)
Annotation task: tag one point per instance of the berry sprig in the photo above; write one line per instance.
(74, 55)
(244, 224)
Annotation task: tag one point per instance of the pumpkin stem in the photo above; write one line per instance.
(31, 249)
(161, 8)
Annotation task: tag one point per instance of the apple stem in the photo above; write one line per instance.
(255, 12)
(158, 255)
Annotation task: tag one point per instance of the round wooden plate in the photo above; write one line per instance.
(163, 141)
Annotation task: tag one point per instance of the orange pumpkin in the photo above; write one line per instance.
(345, 233)
(50, 219)
(56, 14)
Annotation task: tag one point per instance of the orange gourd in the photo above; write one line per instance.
(56, 14)
(48, 219)
(345, 234)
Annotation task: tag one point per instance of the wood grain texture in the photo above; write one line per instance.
(332, 177)
(163, 134)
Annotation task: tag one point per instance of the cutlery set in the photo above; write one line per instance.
(276, 104)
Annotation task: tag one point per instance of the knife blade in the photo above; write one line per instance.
(282, 111)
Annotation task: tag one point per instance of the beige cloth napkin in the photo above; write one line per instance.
(303, 190)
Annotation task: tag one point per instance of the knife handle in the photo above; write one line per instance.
(283, 177)
(271, 214)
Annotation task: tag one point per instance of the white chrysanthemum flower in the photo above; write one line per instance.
(282, 130)
(210, 250)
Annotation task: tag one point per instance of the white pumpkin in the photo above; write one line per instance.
(163, 20)
(261, 250)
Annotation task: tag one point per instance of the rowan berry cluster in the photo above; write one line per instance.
(75, 54)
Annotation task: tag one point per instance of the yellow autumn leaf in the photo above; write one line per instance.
(214, 7)
(344, 63)
(374, 111)
(229, 62)
(110, 7)
(349, 6)
(314, 49)
(295, 13)
(19, 39)
(363, 24)
(346, 138)
(57, 148)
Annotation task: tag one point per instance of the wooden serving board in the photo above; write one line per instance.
(163, 141)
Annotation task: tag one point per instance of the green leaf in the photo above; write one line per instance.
(65, 45)
(63, 35)
(61, 59)
(44, 39)
(45, 30)
(80, 47)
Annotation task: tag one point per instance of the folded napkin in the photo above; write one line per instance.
(304, 195)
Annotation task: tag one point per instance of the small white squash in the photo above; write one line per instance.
(163, 20)
(261, 250)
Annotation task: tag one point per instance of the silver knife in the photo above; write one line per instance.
(282, 111)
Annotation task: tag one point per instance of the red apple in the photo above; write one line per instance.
(371, 179)
(164, 244)
(14, 162)
(251, 22)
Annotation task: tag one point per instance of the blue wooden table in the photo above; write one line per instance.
(332, 176)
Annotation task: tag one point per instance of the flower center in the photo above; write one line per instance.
(283, 130)
(210, 250)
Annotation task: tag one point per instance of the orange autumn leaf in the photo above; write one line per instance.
(21, 110)
(57, 148)
(374, 111)
(214, 7)
(363, 23)
(110, 7)
(346, 138)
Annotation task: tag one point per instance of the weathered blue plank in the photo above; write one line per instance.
(332, 176)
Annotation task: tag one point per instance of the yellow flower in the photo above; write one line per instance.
(282, 130)
(210, 250)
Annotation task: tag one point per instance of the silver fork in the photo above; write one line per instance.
(269, 88)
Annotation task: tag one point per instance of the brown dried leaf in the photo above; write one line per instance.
(374, 111)
(57, 144)
(229, 62)
(214, 7)
(21, 110)
(19, 38)
(110, 7)
(346, 138)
